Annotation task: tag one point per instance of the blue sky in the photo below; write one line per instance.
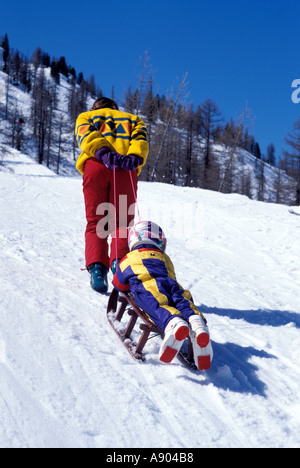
(236, 52)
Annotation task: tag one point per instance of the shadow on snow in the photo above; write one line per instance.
(272, 318)
(233, 367)
(232, 370)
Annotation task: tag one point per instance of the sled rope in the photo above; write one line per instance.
(135, 197)
(115, 205)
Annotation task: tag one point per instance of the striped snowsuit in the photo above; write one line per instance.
(149, 274)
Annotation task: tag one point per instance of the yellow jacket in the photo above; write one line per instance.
(122, 132)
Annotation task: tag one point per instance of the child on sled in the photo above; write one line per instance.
(149, 274)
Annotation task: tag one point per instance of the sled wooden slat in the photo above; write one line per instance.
(118, 303)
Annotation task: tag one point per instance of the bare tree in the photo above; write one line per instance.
(16, 120)
(232, 138)
(245, 187)
(59, 143)
(170, 116)
(43, 105)
(292, 157)
(261, 181)
(145, 80)
(211, 122)
(7, 89)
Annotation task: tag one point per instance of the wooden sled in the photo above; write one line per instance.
(118, 304)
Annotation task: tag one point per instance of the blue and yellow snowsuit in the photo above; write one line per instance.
(149, 274)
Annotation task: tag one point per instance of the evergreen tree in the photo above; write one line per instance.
(271, 154)
(72, 73)
(80, 78)
(55, 71)
(36, 58)
(5, 46)
(45, 60)
(150, 106)
(62, 66)
(257, 152)
(25, 75)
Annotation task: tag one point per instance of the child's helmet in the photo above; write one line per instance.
(147, 232)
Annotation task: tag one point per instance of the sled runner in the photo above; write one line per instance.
(121, 305)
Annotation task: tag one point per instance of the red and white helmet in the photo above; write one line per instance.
(147, 232)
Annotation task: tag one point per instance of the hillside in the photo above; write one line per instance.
(65, 379)
(239, 171)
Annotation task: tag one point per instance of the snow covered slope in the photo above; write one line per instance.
(248, 174)
(65, 379)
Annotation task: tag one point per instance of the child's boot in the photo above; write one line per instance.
(176, 332)
(203, 352)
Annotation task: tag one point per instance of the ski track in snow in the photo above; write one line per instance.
(66, 380)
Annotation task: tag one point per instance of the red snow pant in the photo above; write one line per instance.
(98, 190)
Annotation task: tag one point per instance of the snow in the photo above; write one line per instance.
(243, 162)
(66, 380)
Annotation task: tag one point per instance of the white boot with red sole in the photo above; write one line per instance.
(199, 334)
(176, 332)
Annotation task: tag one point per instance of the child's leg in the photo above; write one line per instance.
(203, 353)
(176, 332)
(183, 301)
(155, 304)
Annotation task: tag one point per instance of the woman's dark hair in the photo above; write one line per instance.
(104, 102)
